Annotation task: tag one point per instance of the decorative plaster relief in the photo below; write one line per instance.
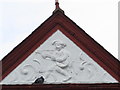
(59, 57)
(58, 60)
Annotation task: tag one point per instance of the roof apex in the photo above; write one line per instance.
(57, 7)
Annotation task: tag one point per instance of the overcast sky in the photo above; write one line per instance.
(18, 18)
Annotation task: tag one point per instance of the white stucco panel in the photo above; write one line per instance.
(59, 60)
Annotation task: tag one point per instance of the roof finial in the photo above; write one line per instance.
(57, 7)
(57, 4)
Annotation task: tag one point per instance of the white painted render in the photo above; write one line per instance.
(59, 60)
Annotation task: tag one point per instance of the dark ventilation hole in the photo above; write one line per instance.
(39, 80)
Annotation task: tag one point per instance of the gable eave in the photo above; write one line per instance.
(110, 86)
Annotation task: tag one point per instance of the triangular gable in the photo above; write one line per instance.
(58, 60)
(59, 21)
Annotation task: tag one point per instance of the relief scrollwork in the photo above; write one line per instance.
(83, 68)
(56, 65)
(62, 65)
(88, 66)
(28, 73)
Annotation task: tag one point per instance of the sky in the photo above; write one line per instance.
(19, 18)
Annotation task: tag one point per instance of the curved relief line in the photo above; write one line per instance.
(92, 69)
(37, 61)
(28, 72)
(37, 52)
(88, 66)
(48, 75)
(83, 63)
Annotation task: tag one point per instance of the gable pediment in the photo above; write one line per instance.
(64, 30)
